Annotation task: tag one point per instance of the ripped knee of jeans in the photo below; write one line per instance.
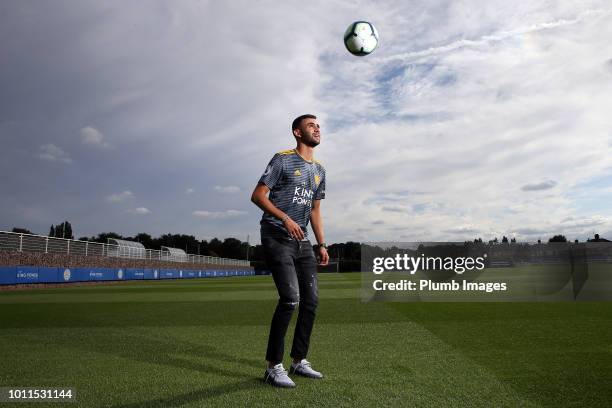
(290, 303)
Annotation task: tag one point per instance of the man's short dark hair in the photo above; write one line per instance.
(298, 121)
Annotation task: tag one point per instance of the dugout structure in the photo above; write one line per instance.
(173, 254)
(121, 248)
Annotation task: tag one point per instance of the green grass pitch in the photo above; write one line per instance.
(201, 342)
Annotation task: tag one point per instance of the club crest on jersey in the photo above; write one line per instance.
(297, 173)
(317, 179)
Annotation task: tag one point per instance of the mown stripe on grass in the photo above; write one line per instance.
(365, 364)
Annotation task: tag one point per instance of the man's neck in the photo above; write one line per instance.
(305, 152)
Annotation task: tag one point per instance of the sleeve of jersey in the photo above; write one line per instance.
(320, 193)
(273, 172)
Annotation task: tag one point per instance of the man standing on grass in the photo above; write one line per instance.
(296, 183)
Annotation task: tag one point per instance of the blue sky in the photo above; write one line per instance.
(471, 119)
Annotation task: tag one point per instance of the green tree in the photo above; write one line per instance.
(215, 247)
(144, 239)
(68, 227)
(104, 236)
(232, 248)
(60, 231)
(63, 230)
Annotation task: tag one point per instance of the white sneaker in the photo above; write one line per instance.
(303, 368)
(277, 376)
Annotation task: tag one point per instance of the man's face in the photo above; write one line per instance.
(309, 132)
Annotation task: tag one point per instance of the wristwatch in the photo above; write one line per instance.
(322, 245)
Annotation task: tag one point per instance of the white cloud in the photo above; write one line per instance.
(463, 230)
(51, 152)
(119, 197)
(471, 125)
(529, 232)
(497, 36)
(544, 185)
(583, 222)
(463, 104)
(216, 215)
(93, 137)
(227, 189)
(139, 211)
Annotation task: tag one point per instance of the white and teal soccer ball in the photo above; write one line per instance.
(361, 38)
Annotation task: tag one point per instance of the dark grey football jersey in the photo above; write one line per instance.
(294, 184)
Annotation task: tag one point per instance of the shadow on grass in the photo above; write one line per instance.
(204, 394)
(163, 350)
(145, 348)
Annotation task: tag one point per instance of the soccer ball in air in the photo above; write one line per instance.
(361, 38)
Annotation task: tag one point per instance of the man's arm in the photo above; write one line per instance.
(316, 220)
(260, 199)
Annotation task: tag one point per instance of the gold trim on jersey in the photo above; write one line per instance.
(294, 151)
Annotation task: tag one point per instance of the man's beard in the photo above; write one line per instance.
(311, 142)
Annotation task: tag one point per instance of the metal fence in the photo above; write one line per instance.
(11, 241)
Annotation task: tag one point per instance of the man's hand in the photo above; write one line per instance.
(323, 256)
(260, 198)
(293, 229)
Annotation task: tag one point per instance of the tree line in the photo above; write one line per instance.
(554, 238)
(227, 248)
(345, 256)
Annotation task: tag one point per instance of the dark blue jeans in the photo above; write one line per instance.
(294, 269)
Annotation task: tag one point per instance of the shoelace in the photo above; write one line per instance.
(305, 363)
(279, 371)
